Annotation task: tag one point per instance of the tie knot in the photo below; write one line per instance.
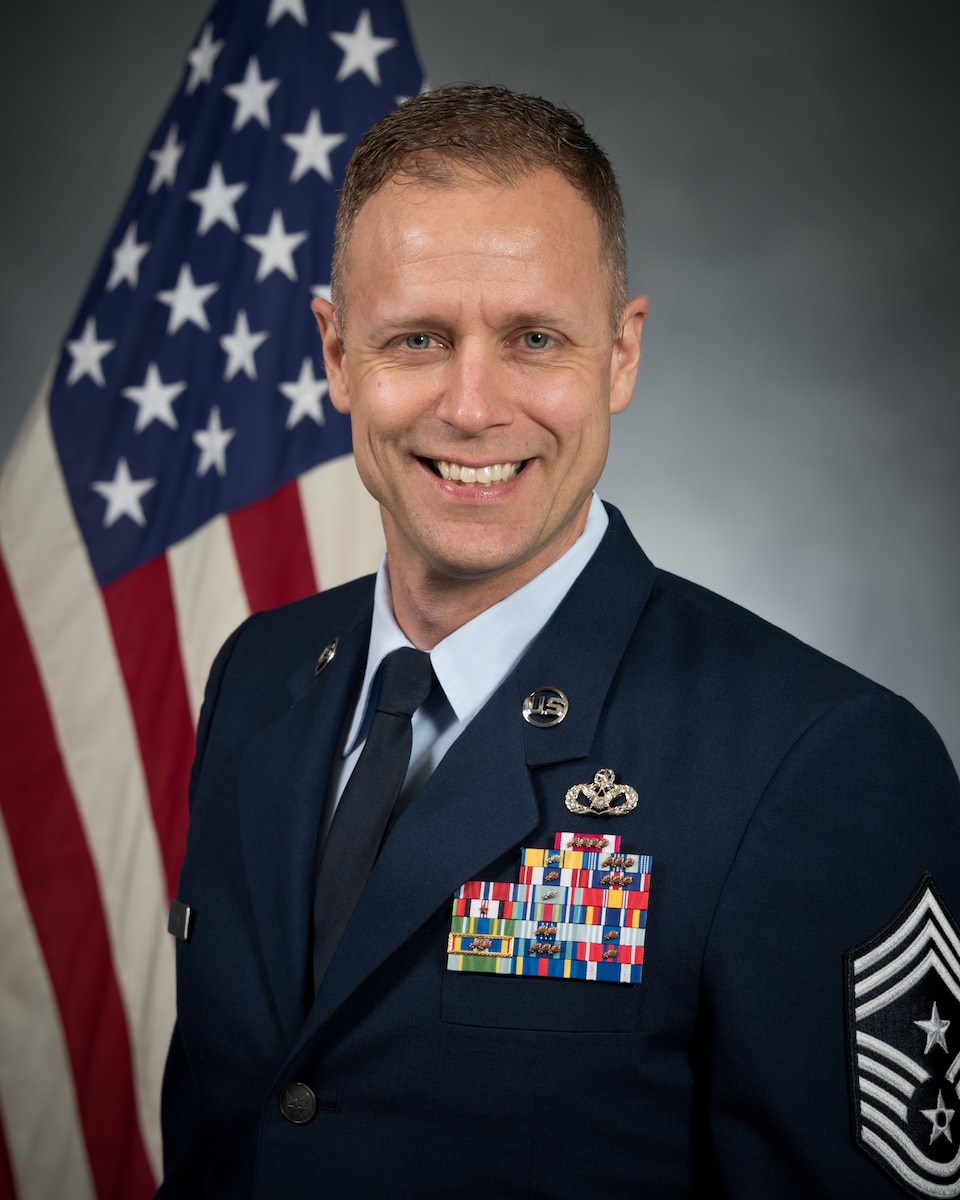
(406, 680)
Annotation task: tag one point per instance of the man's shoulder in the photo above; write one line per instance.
(683, 620)
(741, 649)
(281, 639)
(744, 691)
(348, 601)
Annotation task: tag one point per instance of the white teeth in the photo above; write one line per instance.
(495, 473)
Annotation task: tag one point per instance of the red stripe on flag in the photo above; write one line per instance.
(270, 538)
(142, 617)
(7, 1188)
(60, 887)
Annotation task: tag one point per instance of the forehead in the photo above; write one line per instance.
(541, 222)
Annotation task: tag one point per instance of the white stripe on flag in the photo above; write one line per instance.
(342, 520)
(40, 1116)
(209, 599)
(68, 628)
(345, 538)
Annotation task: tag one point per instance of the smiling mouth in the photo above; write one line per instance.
(475, 476)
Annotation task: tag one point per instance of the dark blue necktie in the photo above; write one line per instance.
(366, 806)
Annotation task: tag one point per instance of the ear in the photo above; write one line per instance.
(625, 361)
(333, 355)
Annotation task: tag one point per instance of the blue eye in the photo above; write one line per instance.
(536, 340)
(418, 341)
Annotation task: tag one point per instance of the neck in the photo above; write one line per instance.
(430, 604)
(428, 610)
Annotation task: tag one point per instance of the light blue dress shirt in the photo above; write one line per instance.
(470, 663)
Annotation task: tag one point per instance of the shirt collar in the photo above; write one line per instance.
(473, 660)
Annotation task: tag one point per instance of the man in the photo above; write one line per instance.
(588, 711)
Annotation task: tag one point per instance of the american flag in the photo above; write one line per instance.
(181, 467)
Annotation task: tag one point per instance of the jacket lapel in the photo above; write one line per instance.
(475, 807)
(580, 649)
(283, 785)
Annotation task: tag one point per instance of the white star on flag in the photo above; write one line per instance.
(186, 301)
(202, 58)
(276, 248)
(127, 256)
(241, 345)
(216, 201)
(313, 148)
(361, 50)
(324, 291)
(293, 8)
(251, 96)
(87, 352)
(154, 399)
(213, 442)
(122, 494)
(166, 160)
(305, 396)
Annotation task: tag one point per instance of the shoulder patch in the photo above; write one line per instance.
(903, 1045)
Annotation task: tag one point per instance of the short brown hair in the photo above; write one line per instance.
(502, 135)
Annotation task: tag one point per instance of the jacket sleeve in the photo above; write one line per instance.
(180, 1110)
(863, 805)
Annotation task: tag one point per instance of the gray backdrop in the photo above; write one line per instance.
(791, 178)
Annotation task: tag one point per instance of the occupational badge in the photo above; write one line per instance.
(903, 1042)
(579, 911)
(601, 796)
(327, 655)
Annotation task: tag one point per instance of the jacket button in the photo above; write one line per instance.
(298, 1103)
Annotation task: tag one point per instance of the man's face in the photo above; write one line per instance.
(480, 370)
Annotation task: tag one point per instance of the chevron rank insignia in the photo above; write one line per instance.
(579, 911)
(903, 1025)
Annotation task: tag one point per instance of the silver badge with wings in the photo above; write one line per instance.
(600, 796)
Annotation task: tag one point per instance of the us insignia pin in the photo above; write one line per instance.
(600, 796)
(545, 707)
(903, 1042)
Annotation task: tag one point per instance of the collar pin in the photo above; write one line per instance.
(545, 707)
(326, 655)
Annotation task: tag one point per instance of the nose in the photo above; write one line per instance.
(476, 393)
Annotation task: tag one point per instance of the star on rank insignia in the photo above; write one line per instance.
(903, 1023)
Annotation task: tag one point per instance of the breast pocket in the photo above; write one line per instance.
(544, 1004)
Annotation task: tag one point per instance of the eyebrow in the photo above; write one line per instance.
(427, 320)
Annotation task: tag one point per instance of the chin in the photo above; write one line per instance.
(461, 560)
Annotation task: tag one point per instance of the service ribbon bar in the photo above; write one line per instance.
(612, 880)
(579, 905)
(487, 927)
(582, 860)
(587, 923)
(552, 968)
(596, 842)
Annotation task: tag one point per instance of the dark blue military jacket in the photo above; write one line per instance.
(790, 807)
